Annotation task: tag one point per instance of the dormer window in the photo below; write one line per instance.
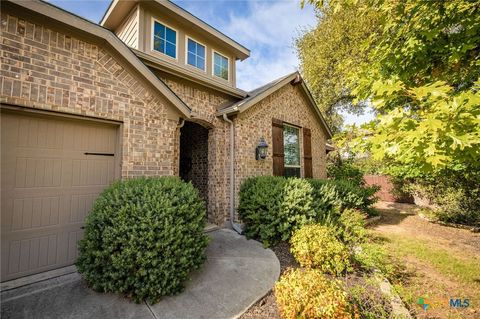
(220, 66)
(195, 54)
(164, 39)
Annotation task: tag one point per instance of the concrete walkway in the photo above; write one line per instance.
(236, 274)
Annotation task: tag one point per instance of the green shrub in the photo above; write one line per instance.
(453, 204)
(455, 192)
(326, 199)
(351, 227)
(296, 206)
(356, 197)
(143, 237)
(315, 246)
(308, 294)
(273, 207)
(344, 170)
(342, 194)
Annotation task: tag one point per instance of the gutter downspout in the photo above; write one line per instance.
(179, 126)
(235, 226)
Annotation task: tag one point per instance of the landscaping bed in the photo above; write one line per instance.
(330, 265)
(267, 308)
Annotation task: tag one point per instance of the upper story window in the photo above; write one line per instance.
(291, 148)
(195, 54)
(164, 39)
(220, 66)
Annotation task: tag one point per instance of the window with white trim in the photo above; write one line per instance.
(164, 39)
(220, 66)
(291, 149)
(195, 54)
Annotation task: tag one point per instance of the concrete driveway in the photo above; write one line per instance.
(236, 274)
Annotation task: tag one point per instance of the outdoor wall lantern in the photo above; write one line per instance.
(261, 150)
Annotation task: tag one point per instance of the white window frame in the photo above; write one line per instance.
(299, 148)
(186, 54)
(152, 42)
(213, 66)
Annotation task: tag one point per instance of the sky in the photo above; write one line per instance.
(267, 27)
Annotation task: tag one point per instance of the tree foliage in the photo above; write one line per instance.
(421, 76)
(329, 51)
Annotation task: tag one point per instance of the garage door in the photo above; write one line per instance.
(52, 169)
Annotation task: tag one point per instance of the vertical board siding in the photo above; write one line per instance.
(128, 31)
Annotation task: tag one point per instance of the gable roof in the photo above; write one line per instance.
(119, 9)
(94, 31)
(257, 95)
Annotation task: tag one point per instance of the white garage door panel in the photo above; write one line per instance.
(49, 185)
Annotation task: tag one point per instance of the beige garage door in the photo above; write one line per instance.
(52, 169)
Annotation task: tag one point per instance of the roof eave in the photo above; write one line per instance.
(241, 106)
(240, 51)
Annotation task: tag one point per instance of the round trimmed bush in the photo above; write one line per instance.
(143, 237)
(315, 246)
(307, 293)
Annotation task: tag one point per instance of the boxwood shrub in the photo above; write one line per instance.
(345, 194)
(273, 207)
(143, 237)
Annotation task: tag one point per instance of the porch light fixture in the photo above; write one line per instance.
(261, 150)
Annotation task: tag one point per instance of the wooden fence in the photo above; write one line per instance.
(385, 193)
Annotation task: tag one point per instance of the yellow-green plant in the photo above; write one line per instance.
(351, 228)
(315, 246)
(307, 293)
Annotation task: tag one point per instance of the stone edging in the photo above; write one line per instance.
(398, 307)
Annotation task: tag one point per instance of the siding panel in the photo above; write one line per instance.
(128, 30)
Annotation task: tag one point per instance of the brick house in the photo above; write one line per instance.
(149, 91)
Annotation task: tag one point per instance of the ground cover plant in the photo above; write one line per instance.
(143, 237)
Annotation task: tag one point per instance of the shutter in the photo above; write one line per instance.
(277, 147)
(307, 153)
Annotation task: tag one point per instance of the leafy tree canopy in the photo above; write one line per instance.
(328, 52)
(421, 75)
